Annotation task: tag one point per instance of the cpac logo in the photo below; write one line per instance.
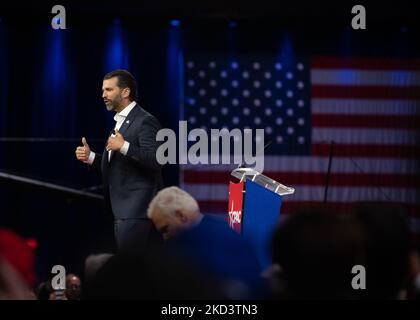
(235, 217)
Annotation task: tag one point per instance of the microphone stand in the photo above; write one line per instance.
(327, 182)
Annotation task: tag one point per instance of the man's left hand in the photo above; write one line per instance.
(115, 143)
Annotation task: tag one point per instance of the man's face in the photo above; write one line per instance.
(73, 287)
(112, 94)
(168, 226)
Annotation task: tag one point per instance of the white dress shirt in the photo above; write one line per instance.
(119, 119)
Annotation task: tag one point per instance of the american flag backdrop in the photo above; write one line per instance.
(368, 108)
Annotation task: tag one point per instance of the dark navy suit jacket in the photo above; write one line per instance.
(131, 181)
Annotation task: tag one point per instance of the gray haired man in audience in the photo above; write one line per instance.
(207, 240)
(174, 211)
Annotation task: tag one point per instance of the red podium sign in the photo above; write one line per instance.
(236, 198)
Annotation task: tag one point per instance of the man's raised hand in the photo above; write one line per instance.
(82, 153)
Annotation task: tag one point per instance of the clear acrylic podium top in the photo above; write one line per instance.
(262, 180)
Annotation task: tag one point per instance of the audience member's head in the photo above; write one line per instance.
(173, 211)
(388, 249)
(44, 290)
(73, 287)
(92, 264)
(316, 250)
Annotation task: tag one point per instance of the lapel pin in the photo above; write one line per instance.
(128, 121)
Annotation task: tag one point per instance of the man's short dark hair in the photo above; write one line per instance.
(125, 80)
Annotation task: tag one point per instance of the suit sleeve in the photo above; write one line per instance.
(96, 165)
(145, 153)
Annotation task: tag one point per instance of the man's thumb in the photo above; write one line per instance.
(84, 142)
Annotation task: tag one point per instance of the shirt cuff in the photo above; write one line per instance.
(91, 157)
(124, 148)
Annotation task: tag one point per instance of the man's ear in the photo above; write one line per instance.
(126, 92)
(180, 215)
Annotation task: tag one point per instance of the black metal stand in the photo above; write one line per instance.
(327, 182)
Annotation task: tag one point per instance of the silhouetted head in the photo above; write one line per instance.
(316, 250)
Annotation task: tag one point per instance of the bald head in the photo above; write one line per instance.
(73, 287)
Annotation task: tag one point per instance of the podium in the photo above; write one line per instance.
(254, 210)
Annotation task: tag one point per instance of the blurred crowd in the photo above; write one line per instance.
(314, 251)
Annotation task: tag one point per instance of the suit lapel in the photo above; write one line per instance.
(130, 119)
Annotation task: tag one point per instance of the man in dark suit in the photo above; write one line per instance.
(131, 174)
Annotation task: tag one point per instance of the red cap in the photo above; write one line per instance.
(15, 250)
